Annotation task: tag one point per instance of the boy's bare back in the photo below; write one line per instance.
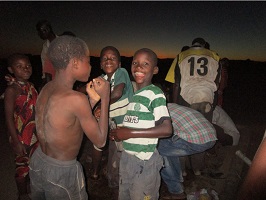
(62, 114)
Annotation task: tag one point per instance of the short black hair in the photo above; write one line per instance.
(68, 33)
(184, 48)
(62, 49)
(199, 40)
(150, 52)
(112, 49)
(43, 22)
(15, 56)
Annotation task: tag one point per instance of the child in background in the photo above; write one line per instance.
(20, 100)
(146, 120)
(121, 94)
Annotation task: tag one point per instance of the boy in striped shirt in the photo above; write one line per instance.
(146, 120)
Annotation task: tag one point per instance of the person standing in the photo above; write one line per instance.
(121, 94)
(63, 115)
(20, 101)
(46, 33)
(146, 120)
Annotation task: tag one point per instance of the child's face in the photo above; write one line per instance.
(44, 32)
(21, 68)
(85, 68)
(143, 68)
(109, 62)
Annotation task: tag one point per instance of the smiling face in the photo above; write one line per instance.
(143, 68)
(21, 68)
(109, 62)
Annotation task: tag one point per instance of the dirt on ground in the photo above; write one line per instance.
(220, 179)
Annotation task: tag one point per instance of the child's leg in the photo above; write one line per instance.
(22, 176)
(147, 181)
(96, 162)
(114, 156)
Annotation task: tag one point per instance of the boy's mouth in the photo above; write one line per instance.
(139, 74)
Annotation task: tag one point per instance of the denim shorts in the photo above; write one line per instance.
(139, 179)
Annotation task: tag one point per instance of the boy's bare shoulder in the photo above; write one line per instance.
(72, 98)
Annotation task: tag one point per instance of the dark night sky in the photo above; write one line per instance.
(236, 30)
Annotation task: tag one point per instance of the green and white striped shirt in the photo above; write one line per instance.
(146, 110)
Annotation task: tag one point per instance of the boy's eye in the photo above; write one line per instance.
(145, 63)
(19, 66)
(134, 63)
(112, 59)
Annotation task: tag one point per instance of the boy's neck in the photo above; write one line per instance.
(61, 80)
(143, 85)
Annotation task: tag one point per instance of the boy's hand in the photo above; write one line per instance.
(102, 87)
(118, 134)
(97, 112)
(91, 92)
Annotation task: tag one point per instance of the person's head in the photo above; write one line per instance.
(68, 51)
(207, 45)
(199, 42)
(19, 65)
(110, 60)
(184, 48)
(44, 29)
(68, 33)
(144, 66)
(224, 62)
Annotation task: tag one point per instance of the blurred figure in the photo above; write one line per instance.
(254, 185)
(224, 62)
(46, 33)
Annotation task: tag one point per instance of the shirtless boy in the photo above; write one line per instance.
(62, 115)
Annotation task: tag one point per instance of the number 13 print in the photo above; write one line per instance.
(203, 69)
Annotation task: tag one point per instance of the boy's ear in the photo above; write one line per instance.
(155, 70)
(74, 62)
(119, 65)
(10, 70)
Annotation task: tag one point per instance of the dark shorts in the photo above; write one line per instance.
(55, 179)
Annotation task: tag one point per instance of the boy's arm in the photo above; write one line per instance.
(9, 101)
(254, 183)
(176, 85)
(95, 131)
(117, 92)
(159, 131)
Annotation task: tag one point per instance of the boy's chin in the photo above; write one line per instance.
(85, 79)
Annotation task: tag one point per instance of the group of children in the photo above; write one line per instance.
(63, 115)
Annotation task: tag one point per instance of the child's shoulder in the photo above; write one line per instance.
(122, 71)
(12, 90)
(155, 89)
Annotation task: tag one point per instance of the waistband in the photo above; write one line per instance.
(54, 161)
